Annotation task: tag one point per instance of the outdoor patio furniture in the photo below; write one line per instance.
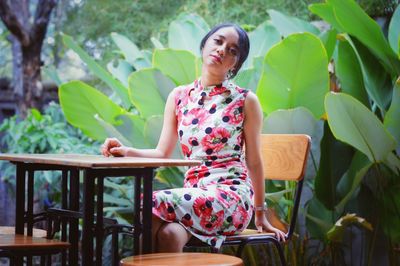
(284, 158)
(182, 259)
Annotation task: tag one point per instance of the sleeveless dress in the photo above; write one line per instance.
(217, 197)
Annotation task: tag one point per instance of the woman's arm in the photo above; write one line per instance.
(166, 143)
(252, 136)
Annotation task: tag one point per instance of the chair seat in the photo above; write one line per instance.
(21, 242)
(248, 233)
(10, 230)
(180, 259)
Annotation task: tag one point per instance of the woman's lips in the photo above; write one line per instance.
(217, 58)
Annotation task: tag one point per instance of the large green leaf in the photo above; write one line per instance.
(129, 132)
(335, 160)
(350, 181)
(325, 11)
(329, 39)
(262, 39)
(81, 102)
(149, 90)
(287, 25)
(356, 22)
(186, 33)
(349, 72)
(318, 219)
(249, 78)
(152, 132)
(295, 74)
(121, 71)
(131, 52)
(394, 31)
(352, 123)
(298, 121)
(392, 117)
(337, 232)
(377, 81)
(100, 72)
(390, 211)
(180, 66)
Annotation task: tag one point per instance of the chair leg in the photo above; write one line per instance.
(280, 251)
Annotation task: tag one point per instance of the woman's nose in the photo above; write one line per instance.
(221, 52)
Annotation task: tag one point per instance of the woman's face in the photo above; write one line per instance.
(221, 52)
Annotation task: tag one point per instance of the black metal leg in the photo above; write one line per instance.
(99, 221)
(136, 222)
(88, 209)
(147, 210)
(20, 199)
(64, 205)
(74, 226)
(29, 214)
(115, 248)
(280, 251)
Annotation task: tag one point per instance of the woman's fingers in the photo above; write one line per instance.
(109, 144)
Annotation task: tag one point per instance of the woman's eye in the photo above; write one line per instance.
(233, 51)
(217, 41)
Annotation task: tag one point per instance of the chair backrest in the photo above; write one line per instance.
(284, 155)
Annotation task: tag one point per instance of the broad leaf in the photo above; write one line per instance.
(287, 25)
(353, 123)
(295, 74)
(318, 219)
(149, 90)
(249, 78)
(349, 72)
(356, 22)
(81, 102)
(394, 31)
(121, 71)
(329, 39)
(179, 65)
(377, 81)
(351, 180)
(100, 72)
(335, 160)
(262, 39)
(336, 233)
(130, 51)
(392, 117)
(186, 33)
(325, 11)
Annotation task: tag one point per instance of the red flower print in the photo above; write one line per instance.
(203, 206)
(166, 210)
(187, 220)
(217, 90)
(216, 140)
(227, 198)
(193, 141)
(212, 221)
(185, 150)
(239, 217)
(234, 111)
(196, 116)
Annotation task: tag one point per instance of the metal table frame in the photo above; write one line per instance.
(92, 226)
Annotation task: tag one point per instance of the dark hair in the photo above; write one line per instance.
(243, 43)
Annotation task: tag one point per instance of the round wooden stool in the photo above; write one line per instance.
(10, 230)
(182, 259)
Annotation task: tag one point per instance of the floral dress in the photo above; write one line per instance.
(217, 197)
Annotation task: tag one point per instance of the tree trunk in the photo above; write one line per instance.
(27, 39)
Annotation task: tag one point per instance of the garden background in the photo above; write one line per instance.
(327, 69)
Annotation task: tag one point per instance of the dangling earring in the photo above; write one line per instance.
(230, 74)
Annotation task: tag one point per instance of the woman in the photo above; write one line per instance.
(213, 119)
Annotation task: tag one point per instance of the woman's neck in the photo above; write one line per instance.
(210, 79)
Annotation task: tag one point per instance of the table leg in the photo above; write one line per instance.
(64, 205)
(88, 209)
(74, 206)
(29, 213)
(147, 210)
(137, 226)
(99, 221)
(20, 199)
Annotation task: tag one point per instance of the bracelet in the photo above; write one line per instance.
(261, 208)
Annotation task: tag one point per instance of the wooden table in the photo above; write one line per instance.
(93, 168)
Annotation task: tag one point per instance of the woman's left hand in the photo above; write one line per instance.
(263, 225)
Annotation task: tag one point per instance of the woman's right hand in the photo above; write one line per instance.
(113, 147)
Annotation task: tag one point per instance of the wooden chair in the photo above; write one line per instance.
(15, 246)
(284, 158)
(182, 259)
